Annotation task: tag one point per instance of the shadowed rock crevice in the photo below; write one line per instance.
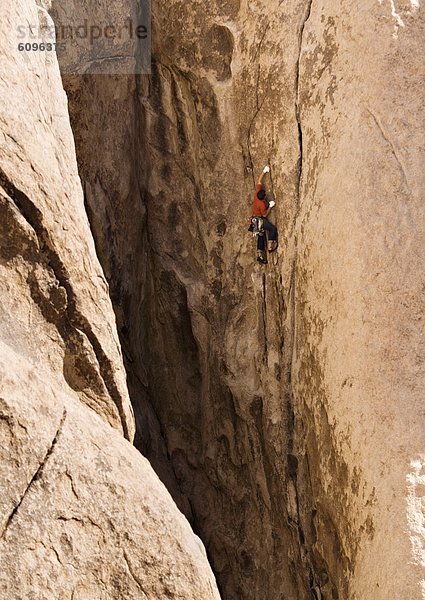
(61, 309)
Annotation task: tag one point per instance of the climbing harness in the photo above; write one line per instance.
(257, 226)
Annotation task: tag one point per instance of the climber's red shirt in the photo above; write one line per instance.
(259, 207)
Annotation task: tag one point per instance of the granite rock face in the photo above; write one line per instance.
(82, 513)
(280, 405)
(55, 303)
(87, 515)
(358, 367)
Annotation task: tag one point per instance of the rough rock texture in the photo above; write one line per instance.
(82, 513)
(279, 405)
(90, 517)
(358, 360)
(55, 306)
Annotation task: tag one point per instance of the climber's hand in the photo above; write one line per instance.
(272, 203)
(266, 169)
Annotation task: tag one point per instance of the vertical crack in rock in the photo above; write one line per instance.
(75, 318)
(301, 38)
(264, 315)
(37, 475)
(300, 164)
(297, 99)
(258, 103)
(293, 460)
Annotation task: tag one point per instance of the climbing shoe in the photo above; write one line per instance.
(261, 258)
(272, 246)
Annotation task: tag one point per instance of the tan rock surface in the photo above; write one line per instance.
(82, 513)
(359, 360)
(90, 518)
(62, 315)
(287, 398)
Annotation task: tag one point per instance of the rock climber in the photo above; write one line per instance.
(259, 222)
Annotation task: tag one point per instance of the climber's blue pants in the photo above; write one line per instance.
(271, 234)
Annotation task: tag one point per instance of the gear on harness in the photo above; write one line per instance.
(256, 226)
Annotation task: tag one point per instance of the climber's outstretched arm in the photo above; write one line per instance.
(265, 170)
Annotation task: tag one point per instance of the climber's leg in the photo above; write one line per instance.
(271, 234)
(261, 242)
(261, 248)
